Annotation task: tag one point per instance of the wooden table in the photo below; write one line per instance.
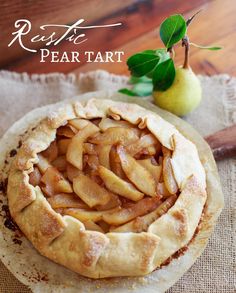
(216, 24)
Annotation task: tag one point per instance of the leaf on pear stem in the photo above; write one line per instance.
(172, 30)
(144, 79)
(142, 63)
(164, 75)
(140, 89)
(127, 92)
(212, 48)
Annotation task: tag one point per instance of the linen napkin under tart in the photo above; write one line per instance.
(215, 270)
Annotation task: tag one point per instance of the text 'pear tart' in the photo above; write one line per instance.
(107, 189)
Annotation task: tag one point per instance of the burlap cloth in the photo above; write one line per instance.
(215, 270)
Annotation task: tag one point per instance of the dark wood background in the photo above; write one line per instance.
(216, 24)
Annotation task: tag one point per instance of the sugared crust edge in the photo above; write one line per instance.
(91, 253)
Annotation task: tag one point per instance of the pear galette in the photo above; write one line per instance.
(107, 189)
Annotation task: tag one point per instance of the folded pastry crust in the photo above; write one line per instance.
(65, 240)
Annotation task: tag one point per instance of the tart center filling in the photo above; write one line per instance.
(109, 174)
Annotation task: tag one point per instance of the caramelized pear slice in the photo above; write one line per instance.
(142, 207)
(104, 155)
(89, 191)
(74, 153)
(86, 215)
(106, 123)
(136, 173)
(66, 200)
(163, 190)
(55, 182)
(105, 227)
(142, 143)
(115, 163)
(141, 224)
(119, 186)
(43, 164)
(89, 148)
(168, 175)
(115, 135)
(151, 150)
(155, 170)
(60, 163)
(63, 145)
(78, 123)
(67, 131)
(72, 172)
(112, 203)
(35, 177)
(91, 226)
(92, 161)
(51, 152)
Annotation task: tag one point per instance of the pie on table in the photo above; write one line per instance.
(107, 189)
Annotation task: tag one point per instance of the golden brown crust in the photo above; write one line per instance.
(22, 194)
(93, 254)
(39, 222)
(176, 227)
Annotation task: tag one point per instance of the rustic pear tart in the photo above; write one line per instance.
(107, 188)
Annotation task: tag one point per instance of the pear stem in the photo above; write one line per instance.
(172, 52)
(185, 43)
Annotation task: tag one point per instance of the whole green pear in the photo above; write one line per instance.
(183, 96)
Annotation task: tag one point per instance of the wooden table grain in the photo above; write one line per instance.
(216, 24)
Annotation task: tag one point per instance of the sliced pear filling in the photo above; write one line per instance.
(60, 163)
(51, 152)
(142, 223)
(115, 163)
(67, 131)
(142, 143)
(118, 185)
(89, 191)
(78, 123)
(66, 200)
(124, 215)
(74, 153)
(43, 164)
(168, 175)
(55, 182)
(154, 169)
(108, 174)
(106, 123)
(92, 226)
(87, 215)
(63, 145)
(35, 177)
(136, 173)
(104, 155)
(114, 136)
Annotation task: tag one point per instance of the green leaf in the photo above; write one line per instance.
(164, 75)
(127, 92)
(143, 89)
(134, 80)
(142, 63)
(164, 55)
(152, 52)
(212, 48)
(139, 89)
(172, 30)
